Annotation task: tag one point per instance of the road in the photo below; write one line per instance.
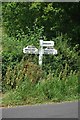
(53, 110)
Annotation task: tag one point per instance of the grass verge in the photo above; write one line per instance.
(53, 89)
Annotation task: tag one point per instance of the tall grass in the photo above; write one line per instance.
(53, 88)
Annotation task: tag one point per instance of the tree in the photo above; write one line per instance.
(55, 17)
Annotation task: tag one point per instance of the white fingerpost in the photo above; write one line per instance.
(40, 58)
(30, 50)
(48, 50)
(41, 52)
(41, 43)
(47, 43)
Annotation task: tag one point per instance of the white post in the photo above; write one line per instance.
(41, 53)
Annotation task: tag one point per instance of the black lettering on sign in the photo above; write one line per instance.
(46, 43)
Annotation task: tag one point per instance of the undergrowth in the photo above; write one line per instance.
(24, 82)
(54, 89)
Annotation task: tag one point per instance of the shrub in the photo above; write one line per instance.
(67, 55)
(12, 52)
(15, 76)
(33, 72)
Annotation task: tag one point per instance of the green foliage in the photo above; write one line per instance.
(22, 71)
(51, 89)
(24, 24)
(55, 17)
(67, 56)
(13, 49)
(12, 72)
(12, 52)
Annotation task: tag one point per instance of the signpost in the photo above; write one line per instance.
(30, 50)
(46, 43)
(48, 50)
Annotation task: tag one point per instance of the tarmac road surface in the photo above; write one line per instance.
(52, 110)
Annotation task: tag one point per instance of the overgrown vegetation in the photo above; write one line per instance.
(23, 81)
(51, 89)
